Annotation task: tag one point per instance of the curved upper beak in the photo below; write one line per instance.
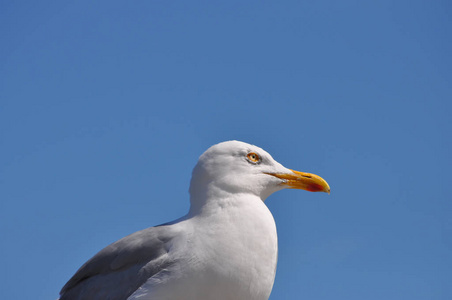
(303, 181)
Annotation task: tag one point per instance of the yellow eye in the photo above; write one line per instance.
(253, 157)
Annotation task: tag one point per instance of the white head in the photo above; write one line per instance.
(237, 167)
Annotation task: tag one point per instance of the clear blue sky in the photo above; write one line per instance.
(106, 106)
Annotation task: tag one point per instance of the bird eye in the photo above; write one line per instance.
(253, 157)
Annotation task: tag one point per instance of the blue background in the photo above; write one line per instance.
(105, 107)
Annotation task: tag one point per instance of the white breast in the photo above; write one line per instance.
(233, 256)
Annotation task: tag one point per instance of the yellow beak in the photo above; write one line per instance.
(304, 181)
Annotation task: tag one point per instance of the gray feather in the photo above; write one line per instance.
(122, 267)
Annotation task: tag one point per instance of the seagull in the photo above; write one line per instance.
(225, 248)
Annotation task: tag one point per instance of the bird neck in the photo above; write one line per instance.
(211, 198)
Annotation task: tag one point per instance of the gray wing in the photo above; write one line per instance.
(121, 268)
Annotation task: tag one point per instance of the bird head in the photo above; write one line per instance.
(237, 167)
